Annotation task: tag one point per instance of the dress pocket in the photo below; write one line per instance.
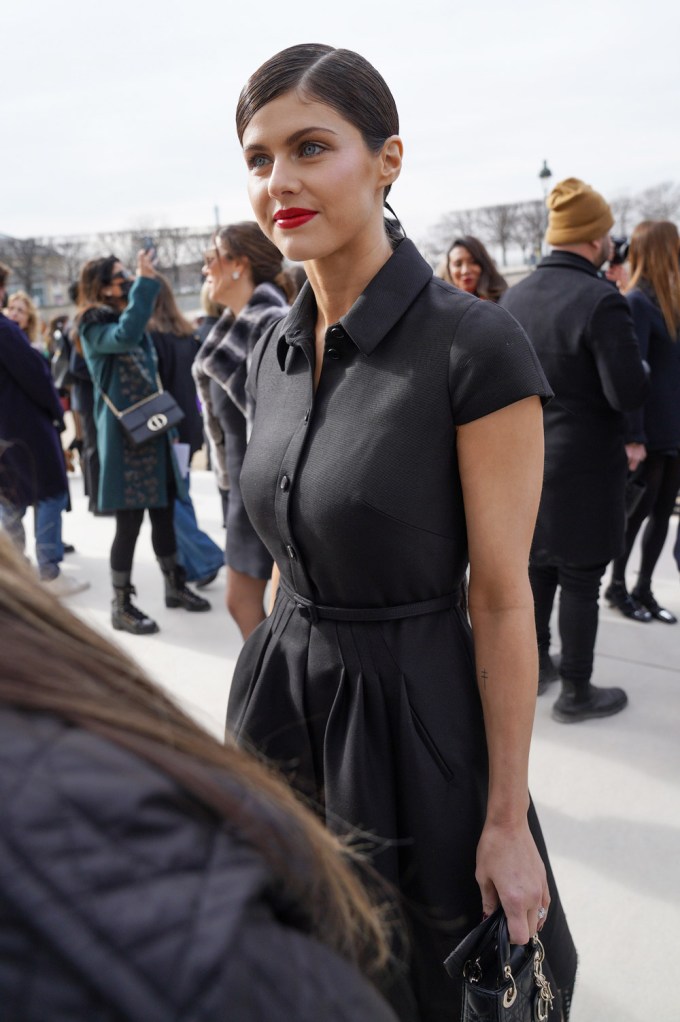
(430, 745)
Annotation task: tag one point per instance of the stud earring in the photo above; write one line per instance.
(235, 275)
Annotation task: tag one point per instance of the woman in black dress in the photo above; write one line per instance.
(654, 297)
(397, 437)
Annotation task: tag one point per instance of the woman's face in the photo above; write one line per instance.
(219, 266)
(116, 289)
(18, 311)
(315, 187)
(465, 271)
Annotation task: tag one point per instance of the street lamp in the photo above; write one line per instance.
(544, 175)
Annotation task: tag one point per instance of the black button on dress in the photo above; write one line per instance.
(381, 720)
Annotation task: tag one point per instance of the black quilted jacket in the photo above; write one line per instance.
(121, 898)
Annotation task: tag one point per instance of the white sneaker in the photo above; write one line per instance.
(65, 585)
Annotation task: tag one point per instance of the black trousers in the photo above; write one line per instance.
(128, 524)
(578, 614)
(661, 473)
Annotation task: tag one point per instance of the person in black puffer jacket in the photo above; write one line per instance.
(147, 872)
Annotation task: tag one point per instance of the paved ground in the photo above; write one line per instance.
(607, 791)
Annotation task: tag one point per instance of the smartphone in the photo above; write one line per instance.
(149, 247)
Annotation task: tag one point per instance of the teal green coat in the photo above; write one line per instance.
(122, 362)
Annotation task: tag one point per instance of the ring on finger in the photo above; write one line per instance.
(542, 913)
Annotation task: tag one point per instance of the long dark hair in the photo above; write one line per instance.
(342, 79)
(53, 662)
(491, 283)
(167, 316)
(653, 255)
(247, 240)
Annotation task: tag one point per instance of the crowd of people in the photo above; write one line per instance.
(418, 462)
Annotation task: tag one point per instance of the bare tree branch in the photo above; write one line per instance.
(660, 202)
(623, 208)
(499, 225)
(530, 224)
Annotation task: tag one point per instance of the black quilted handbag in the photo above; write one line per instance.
(503, 982)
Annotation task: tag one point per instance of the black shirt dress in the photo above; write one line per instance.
(361, 684)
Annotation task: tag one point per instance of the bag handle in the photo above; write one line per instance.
(466, 958)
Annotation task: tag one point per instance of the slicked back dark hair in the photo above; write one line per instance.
(342, 79)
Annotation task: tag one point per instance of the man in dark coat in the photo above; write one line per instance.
(583, 333)
(32, 469)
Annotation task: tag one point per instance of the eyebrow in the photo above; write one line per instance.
(292, 139)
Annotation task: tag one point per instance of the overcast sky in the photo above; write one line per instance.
(121, 113)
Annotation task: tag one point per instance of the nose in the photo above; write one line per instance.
(282, 179)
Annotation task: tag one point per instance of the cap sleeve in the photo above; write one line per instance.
(492, 364)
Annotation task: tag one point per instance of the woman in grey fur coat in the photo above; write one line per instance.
(244, 272)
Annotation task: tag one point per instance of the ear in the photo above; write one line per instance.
(242, 265)
(390, 159)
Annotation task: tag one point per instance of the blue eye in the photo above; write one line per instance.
(258, 161)
(311, 149)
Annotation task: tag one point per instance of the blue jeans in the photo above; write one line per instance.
(196, 551)
(49, 549)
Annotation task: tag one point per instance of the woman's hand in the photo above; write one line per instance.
(145, 267)
(510, 870)
(636, 454)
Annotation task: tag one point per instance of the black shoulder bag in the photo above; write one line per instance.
(149, 418)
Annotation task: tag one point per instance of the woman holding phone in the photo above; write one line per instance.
(112, 325)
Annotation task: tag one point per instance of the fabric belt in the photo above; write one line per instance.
(315, 612)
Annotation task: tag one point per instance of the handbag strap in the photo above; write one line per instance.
(138, 404)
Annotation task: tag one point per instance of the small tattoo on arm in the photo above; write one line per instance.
(485, 678)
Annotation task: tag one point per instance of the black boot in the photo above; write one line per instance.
(125, 617)
(618, 596)
(177, 593)
(581, 702)
(643, 595)
(547, 670)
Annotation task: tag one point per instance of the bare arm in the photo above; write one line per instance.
(276, 575)
(501, 468)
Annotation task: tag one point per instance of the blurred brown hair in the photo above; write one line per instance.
(95, 275)
(167, 317)
(653, 255)
(53, 662)
(247, 240)
(5, 274)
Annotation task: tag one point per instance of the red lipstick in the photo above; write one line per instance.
(293, 217)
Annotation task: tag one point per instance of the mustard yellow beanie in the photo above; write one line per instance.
(577, 213)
